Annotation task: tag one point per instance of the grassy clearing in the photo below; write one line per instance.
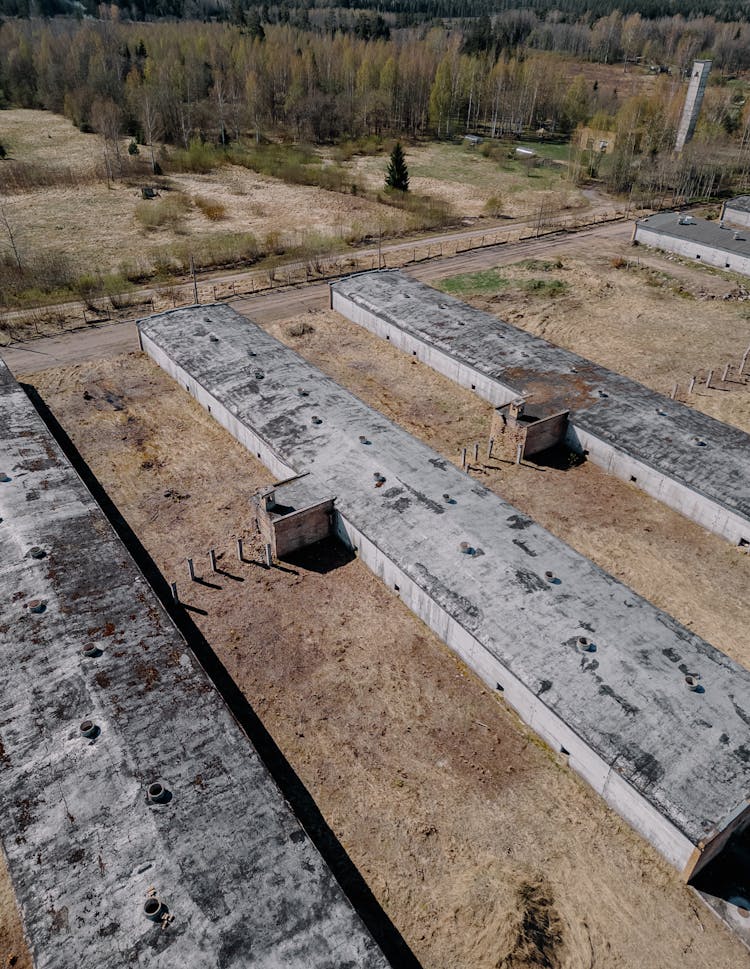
(272, 202)
(484, 282)
(489, 282)
(551, 152)
(488, 180)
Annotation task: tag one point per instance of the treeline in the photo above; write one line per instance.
(175, 82)
(179, 82)
(405, 12)
(665, 35)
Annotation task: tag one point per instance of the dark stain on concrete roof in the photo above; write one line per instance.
(661, 433)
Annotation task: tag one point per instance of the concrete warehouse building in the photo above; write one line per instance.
(691, 462)
(652, 716)
(737, 211)
(138, 821)
(714, 243)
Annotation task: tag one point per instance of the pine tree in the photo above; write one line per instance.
(397, 176)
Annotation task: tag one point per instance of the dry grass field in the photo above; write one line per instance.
(482, 847)
(107, 228)
(96, 225)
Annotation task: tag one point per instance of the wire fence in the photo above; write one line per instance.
(19, 327)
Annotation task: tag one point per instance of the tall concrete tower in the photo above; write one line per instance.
(693, 101)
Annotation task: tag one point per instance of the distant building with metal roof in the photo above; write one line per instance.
(713, 243)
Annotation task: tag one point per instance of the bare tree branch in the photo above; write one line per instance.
(6, 224)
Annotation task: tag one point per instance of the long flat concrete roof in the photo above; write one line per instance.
(709, 457)
(243, 882)
(740, 204)
(692, 229)
(685, 752)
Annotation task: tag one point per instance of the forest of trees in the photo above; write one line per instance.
(404, 12)
(188, 83)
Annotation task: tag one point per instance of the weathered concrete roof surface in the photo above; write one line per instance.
(660, 432)
(244, 883)
(688, 753)
(698, 230)
(741, 203)
(298, 493)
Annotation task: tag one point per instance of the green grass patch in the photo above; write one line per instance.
(483, 282)
(544, 150)
(544, 287)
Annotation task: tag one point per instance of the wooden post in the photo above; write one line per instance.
(674, 392)
(212, 559)
(191, 570)
(519, 452)
(725, 374)
(269, 557)
(173, 587)
(476, 454)
(489, 449)
(463, 458)
(239, 550)
(709, 378)
(196, 301)
(745, 355)
(691, 385)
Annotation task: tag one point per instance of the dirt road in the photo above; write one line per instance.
(106, 340)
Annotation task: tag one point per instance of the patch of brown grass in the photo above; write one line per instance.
(213, 210)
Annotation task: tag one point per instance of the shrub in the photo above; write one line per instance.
(167, 212)
(493, 206)
(3, 151)
(133, 148)
(220, 249)
(544, 287)
(198, 157)
(541, 265)
(300, 329)
(211, 208)
(274, 243)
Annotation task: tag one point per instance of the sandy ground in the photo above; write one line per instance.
(482, 847)
(13, 950)
(653, 319)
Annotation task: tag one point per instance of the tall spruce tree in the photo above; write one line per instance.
(397, 175)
